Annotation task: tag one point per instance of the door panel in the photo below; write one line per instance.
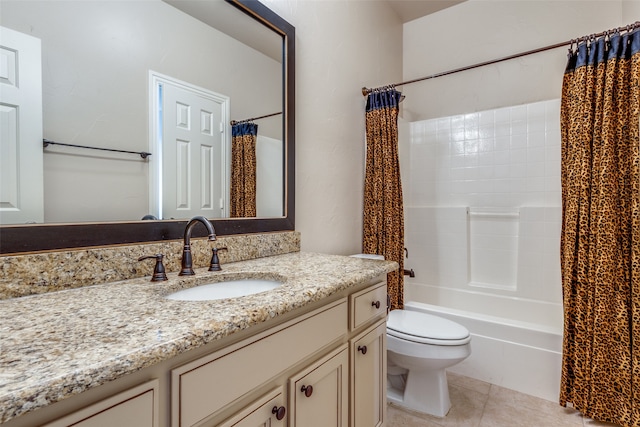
(21, 160)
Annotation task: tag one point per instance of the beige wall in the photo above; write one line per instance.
(630, 10)
(341, 46)
(482, 30)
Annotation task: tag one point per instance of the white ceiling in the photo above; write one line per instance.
(408, 10)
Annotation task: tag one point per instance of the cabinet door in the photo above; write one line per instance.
(137, 407)
(369, 377)
(268, 411)
(318, 396)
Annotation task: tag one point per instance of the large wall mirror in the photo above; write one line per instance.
(165, 77)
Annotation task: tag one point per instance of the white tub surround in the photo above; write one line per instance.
(483, 220)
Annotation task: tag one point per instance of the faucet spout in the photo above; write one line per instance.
(187, 261)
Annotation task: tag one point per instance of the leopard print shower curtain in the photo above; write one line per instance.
(383, 230)
(243, 170)
(600, 246)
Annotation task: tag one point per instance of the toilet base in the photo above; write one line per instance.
(424, 391)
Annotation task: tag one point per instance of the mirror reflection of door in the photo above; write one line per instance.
(191, 142)
(21, 178)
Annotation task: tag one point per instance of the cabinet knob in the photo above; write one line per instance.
(307, 390)
(362, 349)
(375, 304)
(279, 412)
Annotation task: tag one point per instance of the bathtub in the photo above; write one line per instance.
(516, 342)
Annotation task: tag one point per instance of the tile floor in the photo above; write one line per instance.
(476, 403)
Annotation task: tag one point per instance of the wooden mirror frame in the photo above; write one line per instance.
(15, 239)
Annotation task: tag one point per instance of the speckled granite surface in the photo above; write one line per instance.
(62, 343)
(30, 274)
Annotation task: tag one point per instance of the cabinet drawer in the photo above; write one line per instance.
(367, 304)
(137, 407)
(203, 387)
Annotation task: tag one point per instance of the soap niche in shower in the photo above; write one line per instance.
(493, 247)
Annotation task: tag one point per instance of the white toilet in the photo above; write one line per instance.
(420, 347)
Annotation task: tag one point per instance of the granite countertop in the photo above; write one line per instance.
(59, 344)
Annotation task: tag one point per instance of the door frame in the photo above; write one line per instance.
(156, 81)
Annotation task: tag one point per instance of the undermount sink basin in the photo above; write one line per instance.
(227, 289)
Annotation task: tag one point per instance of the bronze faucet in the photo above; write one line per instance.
(187, 262)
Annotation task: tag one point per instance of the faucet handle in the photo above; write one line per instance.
(215, 261)
(159, 274)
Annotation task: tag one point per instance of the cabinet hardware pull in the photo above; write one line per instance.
(363, 349)
(375, 304)
(279, 412)
(307, 390)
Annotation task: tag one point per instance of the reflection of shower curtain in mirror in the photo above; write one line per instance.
(243, 170)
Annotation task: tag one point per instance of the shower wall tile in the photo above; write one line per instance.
(466, 154)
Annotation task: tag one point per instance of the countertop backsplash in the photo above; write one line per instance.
(22, 275)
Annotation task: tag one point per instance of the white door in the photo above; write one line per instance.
(191, 147)
(21, 170)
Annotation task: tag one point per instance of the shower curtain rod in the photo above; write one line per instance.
(235, 122)
(366, 91)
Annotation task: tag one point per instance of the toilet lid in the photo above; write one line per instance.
(426, 328)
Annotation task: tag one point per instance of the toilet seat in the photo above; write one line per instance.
(424, 328)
